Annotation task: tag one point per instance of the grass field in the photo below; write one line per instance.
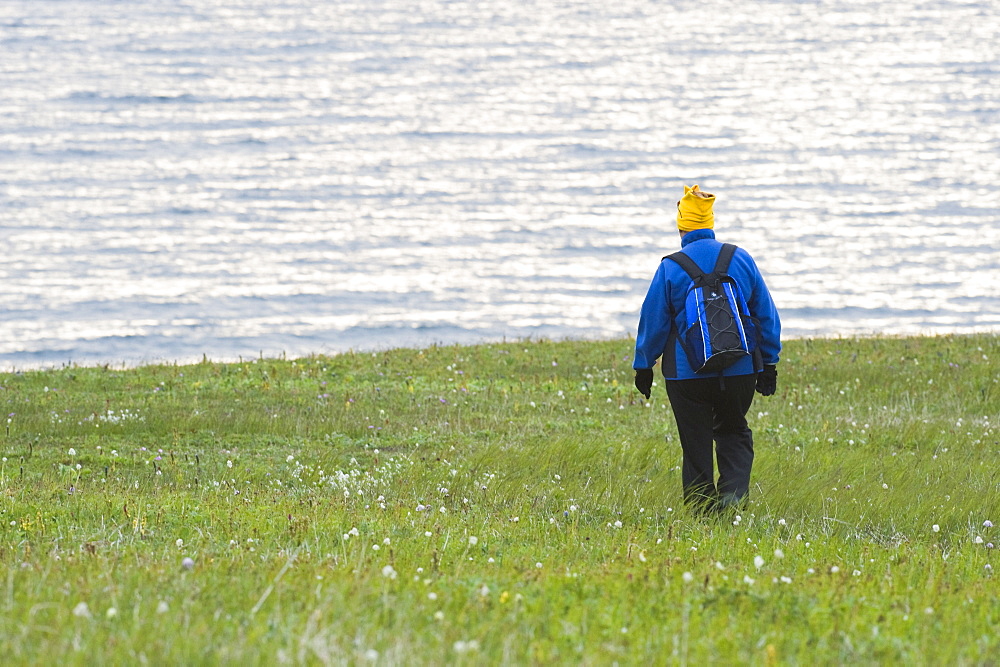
(509, 503)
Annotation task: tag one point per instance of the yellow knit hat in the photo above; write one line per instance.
(694, 210)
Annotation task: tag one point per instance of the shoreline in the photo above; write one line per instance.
(125, 365)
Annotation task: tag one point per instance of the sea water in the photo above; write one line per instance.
(229, 178)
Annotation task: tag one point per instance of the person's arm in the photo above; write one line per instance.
(763, 309)
(654, 322)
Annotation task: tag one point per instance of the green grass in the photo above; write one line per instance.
(510, 503)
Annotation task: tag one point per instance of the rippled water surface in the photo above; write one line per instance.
(237, 177)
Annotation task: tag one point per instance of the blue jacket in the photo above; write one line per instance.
(666, 295)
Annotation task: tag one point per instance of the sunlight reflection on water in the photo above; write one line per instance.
(238, 177)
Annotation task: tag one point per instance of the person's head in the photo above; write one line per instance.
(694, 210)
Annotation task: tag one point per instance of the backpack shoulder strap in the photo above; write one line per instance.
(687, 264)
(725, 257)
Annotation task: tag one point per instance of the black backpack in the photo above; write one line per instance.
(718, 329)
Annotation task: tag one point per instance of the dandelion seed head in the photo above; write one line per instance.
(470, 646)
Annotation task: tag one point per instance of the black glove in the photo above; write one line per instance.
(767, 381)
(644, 380)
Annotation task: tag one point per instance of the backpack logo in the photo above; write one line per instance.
(718, 329)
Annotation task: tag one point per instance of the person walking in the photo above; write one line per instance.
(707, 407)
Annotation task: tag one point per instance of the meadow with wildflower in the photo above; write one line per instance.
(500, 503)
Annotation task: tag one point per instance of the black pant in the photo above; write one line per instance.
(708, 409)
